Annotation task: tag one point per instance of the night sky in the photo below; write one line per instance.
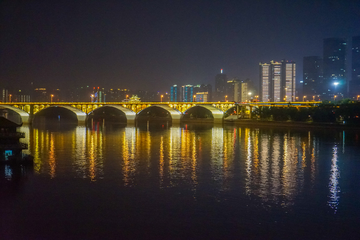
(151, 45)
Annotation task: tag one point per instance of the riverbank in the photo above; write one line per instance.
(264, 123)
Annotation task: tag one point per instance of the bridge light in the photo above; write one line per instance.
(161, 97)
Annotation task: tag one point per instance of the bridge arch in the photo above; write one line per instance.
(80, 115)
(129, 114)
(174, 113)
(24, 116)
(217, 114)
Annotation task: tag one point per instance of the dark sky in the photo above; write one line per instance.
(151, 45)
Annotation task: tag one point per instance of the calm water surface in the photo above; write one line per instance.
(184, 182)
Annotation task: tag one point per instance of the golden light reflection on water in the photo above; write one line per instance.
(128, 153)
(175, 152)
(52, 163)
(272, 166)
(217, 153)
(82, 149)
(334, 181)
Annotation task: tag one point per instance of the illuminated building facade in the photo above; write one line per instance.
(334, 66)
(312, 75)
(265, 80)
(174, 93)
(21, 97)
(237, 91)
(40, 95)
(207, 88)
(98, 95)
(289, 75)
(355, 67)
(4, 95)
(244, 92)
(201, 97)
(232, 90)
(220, 86)
(186, 93)
(277, 81)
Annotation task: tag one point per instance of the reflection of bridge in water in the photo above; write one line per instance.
(26, 111)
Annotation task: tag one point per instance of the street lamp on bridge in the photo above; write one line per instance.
(10, 97)
(225, 98)
(194, 98)
(92, 97)
(304, 98)
(52, 95)
(161, 97)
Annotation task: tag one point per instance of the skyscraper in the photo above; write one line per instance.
(174, 94)
(203, 88)
(232, 90)
(247, 91)
(312, 76)
(355, 67)
(334, 67)
(265, 82)
(277, 81)
(220, 86)
(289, 81)
(187, 93)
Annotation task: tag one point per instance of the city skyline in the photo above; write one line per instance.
(154, 46)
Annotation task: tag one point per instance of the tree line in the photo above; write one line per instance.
(345, 111)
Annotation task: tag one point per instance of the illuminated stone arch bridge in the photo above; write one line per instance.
(26, 112)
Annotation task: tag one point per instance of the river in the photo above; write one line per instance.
(195, 181)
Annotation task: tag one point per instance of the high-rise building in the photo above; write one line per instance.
(312, 76)
(244, 92)
(5, 95)
(174, 94)
(277, 81)
(232, 89)
(220, 86)
(289, 76)
(201, 97)
(98, 95)
(41, 95)
(187, 93)
(207, 88)
(247, 91)
(355, 67)
(265, 82)
(334, 68)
